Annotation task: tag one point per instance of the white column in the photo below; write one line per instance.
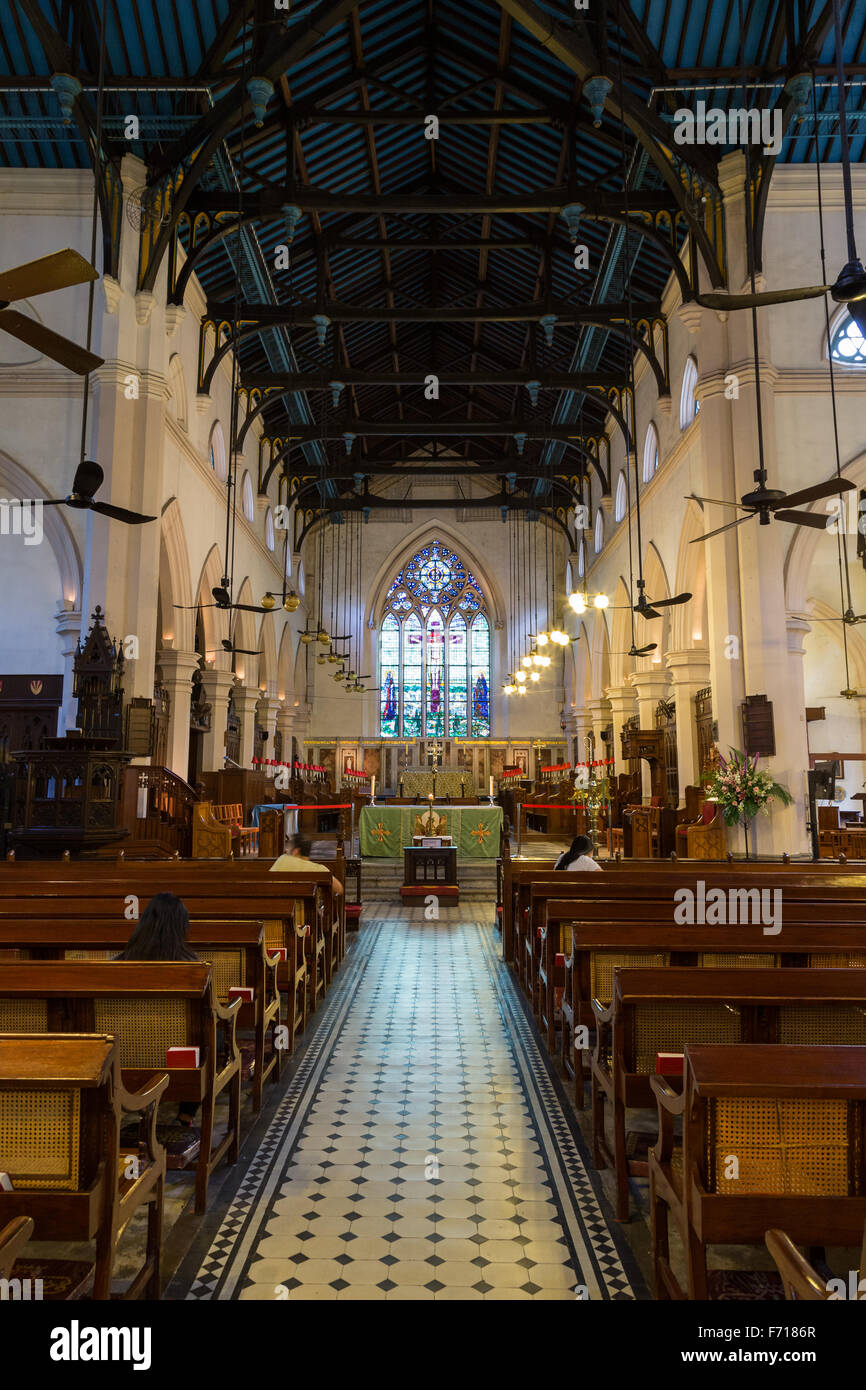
(268, 711)
(68, 621)
(245, 701)
(285, 723)
(216, 686)
(649, 689)
(599, 715)
(622, 707)
(177, 670)
(690, 672)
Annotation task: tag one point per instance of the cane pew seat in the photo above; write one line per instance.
(62, 1099)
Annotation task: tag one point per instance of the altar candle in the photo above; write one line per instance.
(491, 788)
(372, 787)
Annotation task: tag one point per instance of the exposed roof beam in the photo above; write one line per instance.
(313, 381)
(304, 314)
(272, 203)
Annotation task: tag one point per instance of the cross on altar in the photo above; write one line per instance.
(481, 833)
(380, 833)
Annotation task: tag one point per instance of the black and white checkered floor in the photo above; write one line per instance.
(423, 1149)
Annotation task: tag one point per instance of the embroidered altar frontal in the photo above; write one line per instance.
(475, 830)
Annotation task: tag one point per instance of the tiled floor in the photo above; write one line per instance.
(422, 1151)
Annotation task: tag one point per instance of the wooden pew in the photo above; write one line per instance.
(663, 1009)
(148, 1006)
(735, 1101)
(618, 897)
(597, 949)
(173, 872)
(209, 897)
(62, 1099)
(236, 950)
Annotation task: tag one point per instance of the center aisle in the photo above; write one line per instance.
(422, 1150)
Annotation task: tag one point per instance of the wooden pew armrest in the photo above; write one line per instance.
(132, 1101)
(603, 1031)
(228, 1015)
(670, 1104)
(145, 1103)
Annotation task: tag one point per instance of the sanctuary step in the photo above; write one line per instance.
(382, 879)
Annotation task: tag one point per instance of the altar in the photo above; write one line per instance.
(474, 830)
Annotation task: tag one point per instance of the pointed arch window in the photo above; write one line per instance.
(434, 651)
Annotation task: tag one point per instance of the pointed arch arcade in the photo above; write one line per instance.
(434, 650)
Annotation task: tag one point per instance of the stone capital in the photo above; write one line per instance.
(688, 668)
(68, 623)
(621, 699)
(798, 630)
(649, 686)
(177, 666)
(246, 699)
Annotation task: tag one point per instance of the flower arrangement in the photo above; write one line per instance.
(742, 790)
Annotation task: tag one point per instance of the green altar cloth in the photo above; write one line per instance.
(475, 830)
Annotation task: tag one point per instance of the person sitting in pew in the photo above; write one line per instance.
(578, 858)
(298, 861)
(160, 934)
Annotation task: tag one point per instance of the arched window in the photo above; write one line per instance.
(650, 453)
(177, 388)
(621, 498)
(434, 651)
(599, 530)
(270, 539)
(249, 501)
(688, 404)
(217, 451)
(847, 344)
(581, 560)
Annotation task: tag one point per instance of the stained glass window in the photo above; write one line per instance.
(434, 651)
(389, 677)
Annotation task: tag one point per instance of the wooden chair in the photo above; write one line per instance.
(792, 1118)
(708, 838)
(149, 1007)
(210, 838)
(61, 1102)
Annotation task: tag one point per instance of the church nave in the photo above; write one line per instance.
(423, 1149)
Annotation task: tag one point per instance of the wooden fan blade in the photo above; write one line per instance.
(55, 272)
(814, 519)
(120, 514)
(830, 488)
(716, 501)
(50, 344)
(750, 301)
(250, 608)
(719, 529)
(670, 602)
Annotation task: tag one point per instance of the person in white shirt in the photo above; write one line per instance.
(578, 859)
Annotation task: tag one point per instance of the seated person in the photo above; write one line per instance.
(578, 858)
(298, 861)
(160, 934)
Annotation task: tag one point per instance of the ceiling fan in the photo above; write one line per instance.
(55, 272)
(228, 646)
(637, 651)
(648, 608)
(849, 618)
(86, 483)
(766, 503)
(224, 602)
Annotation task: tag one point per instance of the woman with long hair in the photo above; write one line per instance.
(578, 858)
(160, 934)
